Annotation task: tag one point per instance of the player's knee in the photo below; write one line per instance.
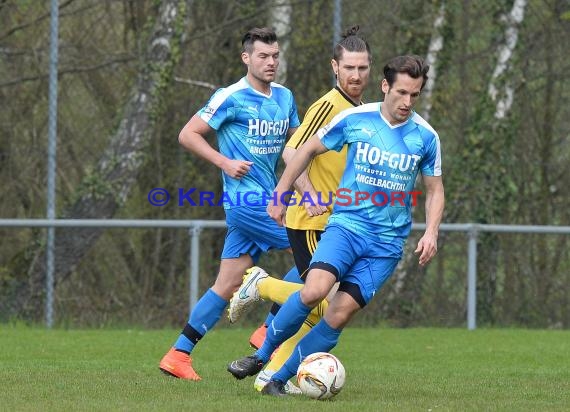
(338, 319)
(312, 296)
(225, 289)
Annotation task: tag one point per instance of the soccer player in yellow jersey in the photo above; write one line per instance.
(309, 211)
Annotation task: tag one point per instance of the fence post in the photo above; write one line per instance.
(52, 138)
(194, 265)
(337, 22)
(472, 277)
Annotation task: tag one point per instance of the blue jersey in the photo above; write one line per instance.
(251, 126)
(375, 193)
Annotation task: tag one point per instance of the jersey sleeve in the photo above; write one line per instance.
(430, 164)
(332, 135)
(218, 110)
(293, 115)
(312, 122)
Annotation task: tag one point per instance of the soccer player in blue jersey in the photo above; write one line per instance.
(252, 119)
(388, 145)
(351, 62)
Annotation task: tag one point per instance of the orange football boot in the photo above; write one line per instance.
(179, 365)
(258, 336)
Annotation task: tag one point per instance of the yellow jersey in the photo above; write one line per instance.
(324, 170)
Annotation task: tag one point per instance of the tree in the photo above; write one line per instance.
(105, 189)
(498, 189)
(281, 22)
(509, 168)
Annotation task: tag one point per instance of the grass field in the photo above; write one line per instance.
(387, 370)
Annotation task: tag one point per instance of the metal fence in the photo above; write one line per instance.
(195, 227)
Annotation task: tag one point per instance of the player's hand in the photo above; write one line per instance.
(237, 168)
(315, 209)
(277, 212)
(427, 248)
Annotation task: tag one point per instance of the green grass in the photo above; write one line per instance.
(387, 370)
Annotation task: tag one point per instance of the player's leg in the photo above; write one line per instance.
(276, 292)
(303, 244)
(253, 289)
(265, 234)
(320, 280)
(204, 316)
(238, 254)
(321, 338)
(287, 321)
(356, 289)
(333, 247)
(245, 296)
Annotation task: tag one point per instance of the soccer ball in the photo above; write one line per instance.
(321, 375)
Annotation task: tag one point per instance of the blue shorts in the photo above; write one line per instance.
(362, 261)
(251, 231)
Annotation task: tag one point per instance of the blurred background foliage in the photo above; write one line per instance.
(505, 170)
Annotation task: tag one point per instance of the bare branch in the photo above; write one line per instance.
(61, 72)
(196, 83)
(33, 22)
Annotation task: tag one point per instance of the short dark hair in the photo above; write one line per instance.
(263, 34)
(351, 41)
(411, 64)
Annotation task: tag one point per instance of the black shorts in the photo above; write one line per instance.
(303, 243)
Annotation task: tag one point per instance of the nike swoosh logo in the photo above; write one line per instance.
(236, 366)
(242, 294)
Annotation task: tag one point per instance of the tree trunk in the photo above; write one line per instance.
(281, 22)
(435, 45)
(488, 256)
(104, 191)
(504, 100)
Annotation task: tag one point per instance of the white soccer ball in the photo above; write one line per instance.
(321, 375)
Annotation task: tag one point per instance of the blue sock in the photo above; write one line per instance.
(269, 317)
(291, 276)
(204, 316)
(285, 324)
(321, 338)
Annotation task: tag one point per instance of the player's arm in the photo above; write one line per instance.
(435, 200)
(191, 137)
(304, 185)
(293, 170)
(291, 131)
